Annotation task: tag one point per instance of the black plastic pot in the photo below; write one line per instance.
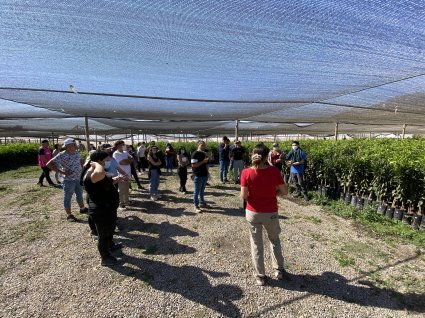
(348, 198)
(389, 213)
(422, 225)
(382, 208)
(416, 222)
(354, 200)
(407, 218)
(398, 214)
(336, 193)
(360, 203)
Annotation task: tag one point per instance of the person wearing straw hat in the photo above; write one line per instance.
(70, 164)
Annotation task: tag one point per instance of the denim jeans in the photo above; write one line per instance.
(169, 161)
(69, 187)
(154, 181)
(198, 194)
(224, 169)
(237, 169)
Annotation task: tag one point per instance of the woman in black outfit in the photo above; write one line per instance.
(103, 201)
(183, 159)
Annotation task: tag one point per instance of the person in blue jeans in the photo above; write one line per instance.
(199, 163)
(224, 158)
(169, 158)
(154, 172)
(71, 165)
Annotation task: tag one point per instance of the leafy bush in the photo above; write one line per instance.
(15, 155)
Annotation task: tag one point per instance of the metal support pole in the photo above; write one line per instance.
(132, 139)
(86, 129)
(336, 131)
(404, 131)
(237, 129)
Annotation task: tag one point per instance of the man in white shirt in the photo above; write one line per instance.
(141, 155)
(124, 160)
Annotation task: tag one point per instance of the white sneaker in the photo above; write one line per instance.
(198, 209)
(260, 281)
(278, 274)
(153, 198)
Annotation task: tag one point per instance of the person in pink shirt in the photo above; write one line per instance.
(260, 184)
(44, 155)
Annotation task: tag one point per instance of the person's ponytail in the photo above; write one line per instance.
(259, 154)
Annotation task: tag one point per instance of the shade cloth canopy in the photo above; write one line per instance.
(197, 66)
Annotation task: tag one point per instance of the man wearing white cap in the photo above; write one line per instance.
(71, 165)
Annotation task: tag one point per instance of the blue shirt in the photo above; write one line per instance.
(113, 167)
(297, 156)
(223, 153)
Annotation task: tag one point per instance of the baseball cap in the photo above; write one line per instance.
(238, 141)
(68, 141)
(275, 145)
(225, 138)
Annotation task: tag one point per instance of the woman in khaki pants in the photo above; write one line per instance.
(260, 184)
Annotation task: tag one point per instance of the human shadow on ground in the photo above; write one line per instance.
(336, 286)
(158, 207)
(190, 282)
(161, 242)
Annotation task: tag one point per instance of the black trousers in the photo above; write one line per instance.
(299, 181)
(142, 164)
(104, 221)
(134, 174)
(182, 172)
(45, 174)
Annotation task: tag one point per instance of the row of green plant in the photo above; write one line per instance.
(390, 170)
(16, 155)
(374, 222)
(381, 169)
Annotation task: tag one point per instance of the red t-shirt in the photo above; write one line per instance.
(261, 185)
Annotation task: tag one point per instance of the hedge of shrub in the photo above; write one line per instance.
(390, 170)
(16, 155)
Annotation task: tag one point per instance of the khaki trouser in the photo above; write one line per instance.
(270, 221)
(124, 190)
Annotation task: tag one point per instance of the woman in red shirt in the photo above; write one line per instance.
(260, 184)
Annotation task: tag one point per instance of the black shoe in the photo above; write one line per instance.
(109, 261)
(225, 180)
(71, 218)
(116, 247)
(306, 198)
(40, 184)
(139, 187)
(84, 210)
(93, 232)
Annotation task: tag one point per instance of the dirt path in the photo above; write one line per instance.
(176, 263)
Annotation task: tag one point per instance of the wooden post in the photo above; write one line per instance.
(336, 131)
(404, 131)
(86, 129)
(237, 129)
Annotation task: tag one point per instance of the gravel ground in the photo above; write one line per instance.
(176, 263)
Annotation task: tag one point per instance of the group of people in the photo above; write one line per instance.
(107, 172)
